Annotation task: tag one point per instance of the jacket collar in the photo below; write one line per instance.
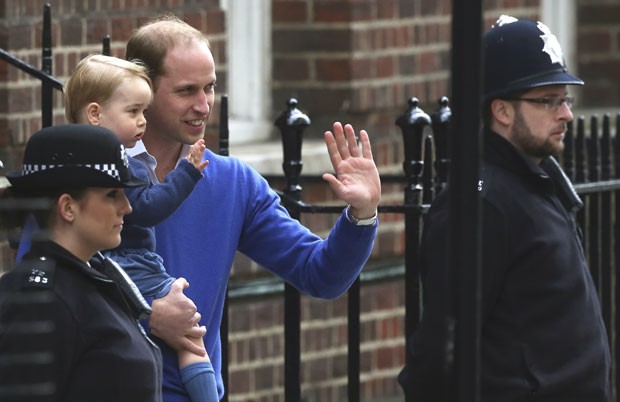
(499, 151)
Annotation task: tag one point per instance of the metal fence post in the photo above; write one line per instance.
(223, 150)
(292, 122)
(441, 132)
(464, 204)
(46, 67)
(412, 124)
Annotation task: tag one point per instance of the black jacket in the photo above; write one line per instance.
(67, 334)
(543, 337)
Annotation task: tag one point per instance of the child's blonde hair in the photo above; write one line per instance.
(95, 79)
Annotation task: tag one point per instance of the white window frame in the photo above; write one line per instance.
(561, 18)
(248, 32)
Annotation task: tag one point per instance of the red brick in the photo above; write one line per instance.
(331, 70)
(291, 69)
(289, 11)
(599, 14)
(323, 40)
(598, 41)
(343, 11)
(96, 29)
(388, 9)
(216, 22)
(385, 66)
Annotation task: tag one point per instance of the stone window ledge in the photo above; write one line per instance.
(267, 157)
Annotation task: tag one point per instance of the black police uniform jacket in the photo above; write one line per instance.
(543, 337)
(67, 334)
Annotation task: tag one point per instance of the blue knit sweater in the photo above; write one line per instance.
(233, 208)
(154, 203)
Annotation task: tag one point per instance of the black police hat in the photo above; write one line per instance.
(522, 54)
(74, 155)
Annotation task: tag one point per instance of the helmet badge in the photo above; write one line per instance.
(552, 46)
(504, 19)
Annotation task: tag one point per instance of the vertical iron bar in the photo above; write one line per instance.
(223, 150)
(46, 67)
(105, 45)
(616, 267)
(412, 124)
(291, 124)
(605, 234)
(441, 131)
(464, 203)
(593, 217)
(568, 156)
(353, 352)
(580, 155)
(428, 191)
(223, 144)
(580, 174)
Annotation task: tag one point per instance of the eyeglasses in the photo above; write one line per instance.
(550, 103)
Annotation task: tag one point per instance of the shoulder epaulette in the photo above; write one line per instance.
(38, 272)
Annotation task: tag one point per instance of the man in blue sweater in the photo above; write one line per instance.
(232, 208)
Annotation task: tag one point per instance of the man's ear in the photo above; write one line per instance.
(93, 113)
(503, 111)
(66, 208)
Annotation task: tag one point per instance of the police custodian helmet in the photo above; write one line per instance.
(520, 54)
(74, 155)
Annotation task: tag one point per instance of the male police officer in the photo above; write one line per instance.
(543, 336)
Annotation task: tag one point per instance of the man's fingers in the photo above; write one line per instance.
(351, 140)
(366, 149)
(332, 149)
(342, 143)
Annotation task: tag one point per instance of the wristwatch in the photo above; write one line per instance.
(360, 222)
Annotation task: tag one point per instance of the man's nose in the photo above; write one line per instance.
(202, 102)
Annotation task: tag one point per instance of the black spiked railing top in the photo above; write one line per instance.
(412, 123)
(292, 117)
(292, 122)
(413, 116)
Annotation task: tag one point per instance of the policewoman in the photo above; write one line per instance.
(69, 328)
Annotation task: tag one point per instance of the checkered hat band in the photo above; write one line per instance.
(107, 168)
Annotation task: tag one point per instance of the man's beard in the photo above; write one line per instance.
(533, 146)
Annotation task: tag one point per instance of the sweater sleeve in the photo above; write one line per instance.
(323, 268)
(153, 203)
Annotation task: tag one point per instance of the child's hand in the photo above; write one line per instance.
(196, 152)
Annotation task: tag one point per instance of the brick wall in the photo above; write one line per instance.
(357, 61)
(599, 51)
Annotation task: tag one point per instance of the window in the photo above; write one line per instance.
(248, 31)
(560, 17)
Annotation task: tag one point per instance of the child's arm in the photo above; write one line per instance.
(154, 203)
(198, 375)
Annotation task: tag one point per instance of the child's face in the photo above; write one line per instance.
(123, 112)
